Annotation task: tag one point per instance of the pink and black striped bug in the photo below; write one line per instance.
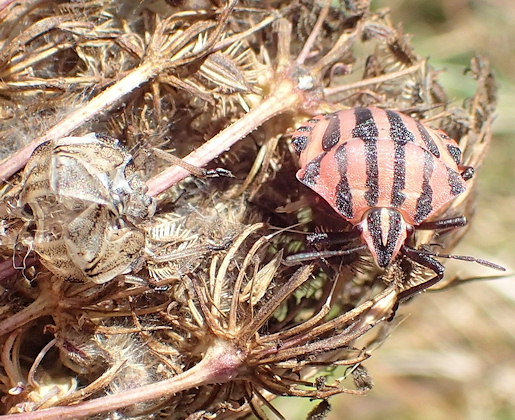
(385, 173)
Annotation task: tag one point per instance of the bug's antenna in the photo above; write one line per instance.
(453, 222)
(464, 258)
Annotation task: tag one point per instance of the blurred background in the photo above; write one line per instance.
(453, 356)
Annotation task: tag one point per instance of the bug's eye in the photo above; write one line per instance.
(299, 143)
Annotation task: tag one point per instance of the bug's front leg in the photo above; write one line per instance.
(427, 261)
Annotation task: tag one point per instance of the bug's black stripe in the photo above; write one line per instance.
(331, 135)
(300, 143)
(428, 140)
(366, 129)
(399, 176)
(424, 206)
(394, 232)
(455, 182)
(312, 171)
(455, 153)
(400, 135)
(372, 194)
(343, 193)
(398, 130)
(376, 232)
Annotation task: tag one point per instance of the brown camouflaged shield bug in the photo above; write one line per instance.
(385, 173)
(84, 196)
(76, 170)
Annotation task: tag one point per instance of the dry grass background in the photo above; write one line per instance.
(454, 355)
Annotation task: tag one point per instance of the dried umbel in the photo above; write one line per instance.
(84, 196)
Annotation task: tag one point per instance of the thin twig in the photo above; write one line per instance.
(314, 34)
(281, 100)
(375, 80)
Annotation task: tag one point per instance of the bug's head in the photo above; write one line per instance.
(384, 231)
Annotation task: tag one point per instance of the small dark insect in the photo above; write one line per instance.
(385, 173)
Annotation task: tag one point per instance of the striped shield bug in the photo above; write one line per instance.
(385, 173)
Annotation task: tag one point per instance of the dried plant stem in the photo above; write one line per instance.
(53, 83)
(148, 70)
(5, 3)
(224, 266)
(103, 381)
(220, 364)
(98, 104)
(374, 80)
(306, 49)
(300, 277)
(283, 98)
(40, 307)
(9, 357)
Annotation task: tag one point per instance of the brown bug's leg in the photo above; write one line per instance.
(427, 261)
(332, 238)
(194, 170)
(221, 246)
(467, 173)
(217, 172)
(453, 222)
